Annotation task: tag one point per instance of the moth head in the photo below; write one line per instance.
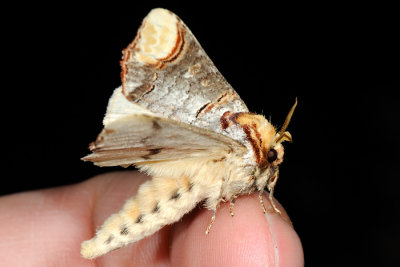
(264, 139)
(275, 151)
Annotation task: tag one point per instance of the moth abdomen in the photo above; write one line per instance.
(159, 202)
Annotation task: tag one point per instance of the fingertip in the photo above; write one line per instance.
(249, 238)
(287, 246)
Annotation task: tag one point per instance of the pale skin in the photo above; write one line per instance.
(46, 228)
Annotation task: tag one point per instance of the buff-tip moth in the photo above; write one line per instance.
(176, 118)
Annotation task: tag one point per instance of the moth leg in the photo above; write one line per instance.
(211, 222)
(271, 185)
(262, 201)
(235, 196)
(232, 203)
(213, 216)
(213, 203)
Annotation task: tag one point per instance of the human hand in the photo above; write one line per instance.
(46, 228)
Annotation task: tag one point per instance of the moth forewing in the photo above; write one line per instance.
(176, 118)
(166, 70)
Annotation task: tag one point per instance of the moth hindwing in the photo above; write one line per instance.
(176, 118)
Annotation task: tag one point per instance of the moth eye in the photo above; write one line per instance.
(272, 155)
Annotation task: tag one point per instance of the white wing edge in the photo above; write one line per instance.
(119, 106)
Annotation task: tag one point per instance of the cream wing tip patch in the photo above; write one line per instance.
(158, 36)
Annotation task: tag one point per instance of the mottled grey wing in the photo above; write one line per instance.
(166, 71)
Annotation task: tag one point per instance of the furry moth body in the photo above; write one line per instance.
(176, 118)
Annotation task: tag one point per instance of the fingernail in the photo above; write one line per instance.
(286, 243)
(272, 212)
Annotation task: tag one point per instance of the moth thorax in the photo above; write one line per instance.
(259, 133)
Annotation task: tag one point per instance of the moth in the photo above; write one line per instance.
(177, 119)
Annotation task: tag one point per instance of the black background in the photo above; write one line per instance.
(339, 181)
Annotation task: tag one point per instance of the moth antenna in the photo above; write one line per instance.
(287, 120)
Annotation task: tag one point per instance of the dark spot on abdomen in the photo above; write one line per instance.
(156, 208)
(109, 239)
(124, 230)
(139, 219)
(191, 185)
(175, 195)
